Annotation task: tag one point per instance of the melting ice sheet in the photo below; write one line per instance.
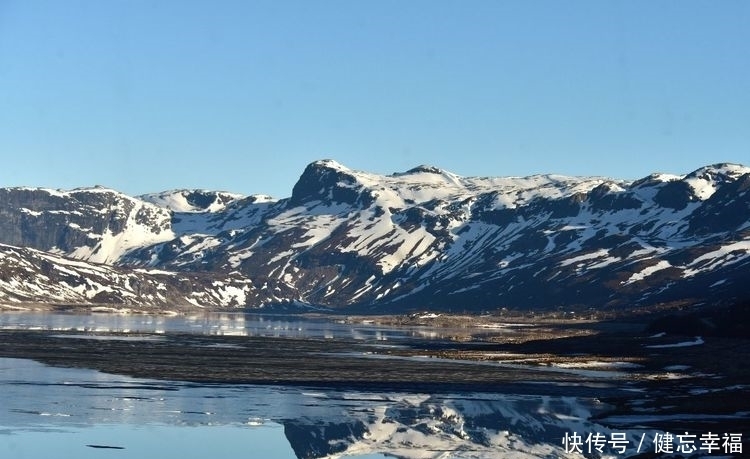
(63, 412)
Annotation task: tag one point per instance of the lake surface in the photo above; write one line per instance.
(237, 324)
(78, 413)
(63, 412)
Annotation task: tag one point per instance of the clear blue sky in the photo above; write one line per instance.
(144, 96)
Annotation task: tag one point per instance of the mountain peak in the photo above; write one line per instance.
(328, 164)
(424, 168)
(328, 181)
(705, 181)
(729, 170)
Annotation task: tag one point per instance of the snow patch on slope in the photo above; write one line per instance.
(639, 276)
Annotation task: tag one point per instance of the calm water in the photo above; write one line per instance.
(239, 324)
(62, 412)
(59, 412)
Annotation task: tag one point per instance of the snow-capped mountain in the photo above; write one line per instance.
(428, 426)
(91, 224)
(424, 238)
(29, 275)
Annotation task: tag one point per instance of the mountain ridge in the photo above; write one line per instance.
(421, 239)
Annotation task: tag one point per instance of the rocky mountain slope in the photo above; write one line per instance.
(28, 275)
(421, 239)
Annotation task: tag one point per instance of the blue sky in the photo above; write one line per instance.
(145, 96)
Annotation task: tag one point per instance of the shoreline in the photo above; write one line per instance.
(665, 377)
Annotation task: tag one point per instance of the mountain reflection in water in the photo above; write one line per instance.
(85, 407)
(217, 323)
